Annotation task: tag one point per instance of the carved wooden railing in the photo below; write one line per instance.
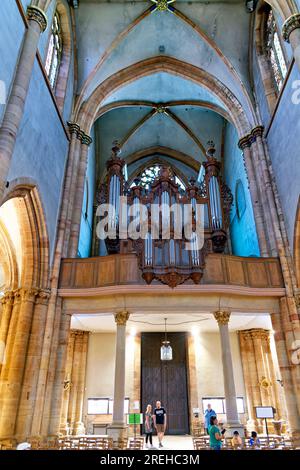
(80, 273)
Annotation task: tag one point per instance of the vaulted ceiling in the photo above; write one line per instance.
(161, 113)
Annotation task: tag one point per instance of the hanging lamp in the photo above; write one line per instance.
(166, 353)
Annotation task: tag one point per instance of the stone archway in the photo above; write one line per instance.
(24, 308)
(88, 111)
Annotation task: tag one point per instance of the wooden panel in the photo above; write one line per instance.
(235, 272)
(106, 271)
(257, 274)
(124, 269)
(84, 275)
(275, 274)
(65, 277)
(128, 270)
(166, 381)
(213, 272)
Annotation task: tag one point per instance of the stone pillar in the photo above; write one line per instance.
(7, 302)
(232, 417)
(260, 378)
(77, 210)
(286, 369)
(246, 349)
(37, 23)
(79, 427)
(118, 427)
(244, 145)
(64, 425)
(70, 184)
(33, 361)
(291, 34)
(71, 419)
(11, 385)
(58, 364)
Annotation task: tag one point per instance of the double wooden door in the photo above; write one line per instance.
(166, 381)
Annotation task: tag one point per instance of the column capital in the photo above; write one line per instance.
(8, 298)
(86, 139)
(258, 131)
(36, 14)
(247, 140)
(222, 317)
(43, 296)
(292, 23)
(74, 128)
(121, 318)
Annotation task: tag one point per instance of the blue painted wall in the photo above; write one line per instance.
(42, 145)
(10, 44)
(41, 149)
(242, 231)
(86, 227)
(283, 142)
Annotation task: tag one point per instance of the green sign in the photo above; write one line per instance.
(135, 418)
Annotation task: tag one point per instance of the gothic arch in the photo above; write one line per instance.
(88, 111)
(23, 198)
(61, 84)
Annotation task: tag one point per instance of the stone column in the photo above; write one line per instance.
(232, 417)
(291, 34)
(245, 144)
(37, 23)
(70, 184)
(286, 367)
(118, 427)
(77, 210)
(12, 384)
(31, 372)
(7, 307)
(247, 360)
(79, 427)
(58, 363)
(64, 425)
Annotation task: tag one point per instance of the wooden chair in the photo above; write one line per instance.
(135, 443)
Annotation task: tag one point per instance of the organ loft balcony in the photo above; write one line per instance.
(176, 236)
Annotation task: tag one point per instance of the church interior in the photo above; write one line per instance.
(194, 104)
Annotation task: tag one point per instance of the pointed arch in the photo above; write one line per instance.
(24, 199)
(88, 111)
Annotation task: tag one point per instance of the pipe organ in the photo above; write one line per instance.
(169, 228)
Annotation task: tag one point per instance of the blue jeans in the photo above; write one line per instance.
(216, 447)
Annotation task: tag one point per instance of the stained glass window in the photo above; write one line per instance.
(275, 52)
(54, 54)
(148, 175)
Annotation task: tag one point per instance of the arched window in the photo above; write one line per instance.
(148, 175)
(274, 50)
(55, 49)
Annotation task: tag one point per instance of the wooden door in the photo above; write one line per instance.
(166, 381)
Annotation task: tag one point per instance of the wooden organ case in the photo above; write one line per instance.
(161, 211)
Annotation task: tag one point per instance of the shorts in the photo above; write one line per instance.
(160, 427)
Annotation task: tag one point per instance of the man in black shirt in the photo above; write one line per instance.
(160, 421)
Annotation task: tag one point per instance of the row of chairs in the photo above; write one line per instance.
(88, 443)
(273, 442)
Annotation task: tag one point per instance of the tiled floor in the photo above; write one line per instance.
(175, 443)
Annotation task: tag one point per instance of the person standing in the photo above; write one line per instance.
(209, 412)
(215, 435)
(149, 425)
(160, 421)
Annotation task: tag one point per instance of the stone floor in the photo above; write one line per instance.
(175, 443)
